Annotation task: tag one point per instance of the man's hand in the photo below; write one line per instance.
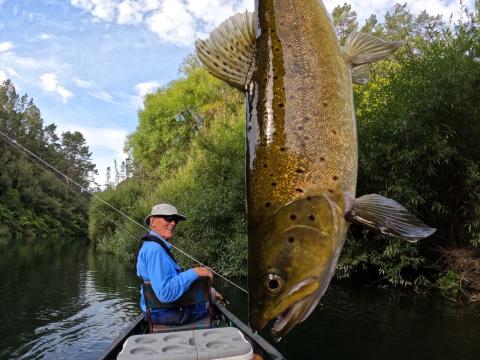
(218, 296)
(203, 271)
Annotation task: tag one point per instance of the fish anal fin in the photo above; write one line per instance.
(388, 217)
(229, 52)
(360, 74)
(361, 48)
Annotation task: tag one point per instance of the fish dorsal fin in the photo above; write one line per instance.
(361, 48)
(388, 217)
(229, 52)
(360, 74)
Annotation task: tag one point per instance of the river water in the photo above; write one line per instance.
(61, 300)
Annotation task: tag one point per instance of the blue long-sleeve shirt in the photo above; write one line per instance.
(167, 279)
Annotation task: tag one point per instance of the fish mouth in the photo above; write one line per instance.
(290, 317)
(290, 310)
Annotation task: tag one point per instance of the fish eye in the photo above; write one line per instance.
(273, 284)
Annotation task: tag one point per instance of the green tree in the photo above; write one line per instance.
(34, 198)
(344, 21)
(108, 178)
(172, 117)
(418, 134)
(75, 150)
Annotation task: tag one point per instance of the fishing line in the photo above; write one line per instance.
(77, 194)
(14, 143)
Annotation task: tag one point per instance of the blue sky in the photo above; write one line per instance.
(88, 63)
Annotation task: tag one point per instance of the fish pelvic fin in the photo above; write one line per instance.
(361, 48)
(388, 217)
(229, 52)
(360, 74)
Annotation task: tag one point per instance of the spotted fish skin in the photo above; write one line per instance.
(300, 117)
(301, 137)
(302, 152)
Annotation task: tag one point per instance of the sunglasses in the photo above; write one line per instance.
(170, 218)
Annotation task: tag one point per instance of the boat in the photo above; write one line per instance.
(262, 349)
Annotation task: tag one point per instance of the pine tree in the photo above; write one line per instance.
(123, 171)
(116, 172)
(108, 178)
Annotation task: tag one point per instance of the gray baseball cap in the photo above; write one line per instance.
(164, 209)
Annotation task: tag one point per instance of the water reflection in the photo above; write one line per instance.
(355, 322)
(61, 300)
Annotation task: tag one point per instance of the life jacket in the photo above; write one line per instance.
(174, 314)
(150, 237)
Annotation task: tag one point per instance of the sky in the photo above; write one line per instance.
(87, 64)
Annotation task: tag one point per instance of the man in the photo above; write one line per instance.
(156, 264)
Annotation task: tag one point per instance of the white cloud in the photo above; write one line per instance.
(106, 138)
(174, 21)
(84, 84)
(181, 21)
(101, 95)
(6, 46)
(11, 72)
(50, 83)
(435, 7)
(146, 87)
(143, 89)
(130, 12)
(213, 12)
(45, 36)
(7, 73)
(106, 145)
(94, 90)
(100, 9)
(27, 64)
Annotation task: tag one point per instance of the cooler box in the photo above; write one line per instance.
(226, 343)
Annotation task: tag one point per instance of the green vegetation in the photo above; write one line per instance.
(203, 120)
(35, 202)
(418, 124)
(418, 132)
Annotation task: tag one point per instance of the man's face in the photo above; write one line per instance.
(164, 226)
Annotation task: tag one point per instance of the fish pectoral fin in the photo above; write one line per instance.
(388, 217)
(229, 52)
(360, 74)
(361, 48)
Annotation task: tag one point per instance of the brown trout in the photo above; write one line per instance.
(301, 150)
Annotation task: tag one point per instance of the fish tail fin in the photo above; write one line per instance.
(229, 52)
(361, 48)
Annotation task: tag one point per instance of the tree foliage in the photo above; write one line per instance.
(33, 198)
(173, 117)
(418, 132)
(202, 173)
(418, 126)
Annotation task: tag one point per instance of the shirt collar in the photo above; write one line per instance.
(151, 232)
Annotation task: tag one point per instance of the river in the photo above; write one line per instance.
(62, 300)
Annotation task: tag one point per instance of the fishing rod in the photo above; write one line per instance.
(16, 145)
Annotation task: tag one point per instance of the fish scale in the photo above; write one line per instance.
(308, 89)
(301, 156)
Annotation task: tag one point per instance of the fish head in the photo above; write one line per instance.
(294, 258)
